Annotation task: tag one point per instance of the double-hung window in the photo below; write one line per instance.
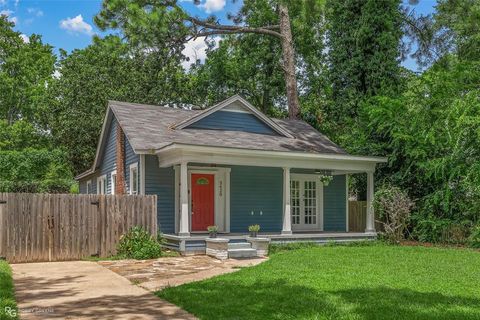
(89, 186)
(134, 178)
(113, 181)
(102, 185)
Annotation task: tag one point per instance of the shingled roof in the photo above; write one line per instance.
(149, 128)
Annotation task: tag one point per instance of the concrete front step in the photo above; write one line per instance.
(242, 253)
(239, 245)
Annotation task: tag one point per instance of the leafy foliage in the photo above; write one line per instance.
(474, 239)
(139, 244)
(108, 69)
(35, 170)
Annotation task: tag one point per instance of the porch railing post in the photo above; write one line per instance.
(287, 220)
(184, 229)
(370, 228)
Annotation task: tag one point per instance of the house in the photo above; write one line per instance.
(230, 166)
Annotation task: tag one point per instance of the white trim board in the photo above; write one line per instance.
(177, 153)
(222, 203)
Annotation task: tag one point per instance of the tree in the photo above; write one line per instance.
(106, 70)
(234, 67)
(25, 71)
(160, 23)
(364, 53)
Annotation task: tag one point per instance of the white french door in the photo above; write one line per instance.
(306, 202)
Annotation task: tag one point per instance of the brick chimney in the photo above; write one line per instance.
(120, 187)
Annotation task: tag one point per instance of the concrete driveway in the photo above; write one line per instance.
(84, 290)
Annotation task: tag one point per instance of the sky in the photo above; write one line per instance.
(68, 24)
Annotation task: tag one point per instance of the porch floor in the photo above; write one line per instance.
(195, 243)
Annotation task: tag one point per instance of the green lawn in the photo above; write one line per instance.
(7, 297)
(343, 282)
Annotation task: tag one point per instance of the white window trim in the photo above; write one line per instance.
(112, 183)
(320, 214)
(99, 179)
(130, 184)
(88, 190)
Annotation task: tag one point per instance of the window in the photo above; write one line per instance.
(102, 185)
(113, 181)
(89, 186)
(134, 178)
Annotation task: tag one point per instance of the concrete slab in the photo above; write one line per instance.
(84, 290)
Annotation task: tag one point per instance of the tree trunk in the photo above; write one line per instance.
(288, 54)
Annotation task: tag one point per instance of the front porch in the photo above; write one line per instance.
(195, 242)
(283, 192)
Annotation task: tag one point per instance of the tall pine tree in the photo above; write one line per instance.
(364, 41)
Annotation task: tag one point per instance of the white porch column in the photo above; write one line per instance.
(287, 220)
(184, 228)
(370, 214)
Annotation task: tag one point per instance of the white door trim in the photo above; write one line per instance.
(222, 195)
(319, 203)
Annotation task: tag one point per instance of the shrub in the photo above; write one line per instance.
(139, 244)
(436, 230)
(393, 206)
(474, 239)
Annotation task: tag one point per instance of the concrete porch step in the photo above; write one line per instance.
(242, 253)
(239, 245)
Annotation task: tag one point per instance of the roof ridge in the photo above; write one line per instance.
(166, 106)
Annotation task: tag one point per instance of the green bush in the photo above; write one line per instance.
(474, 239)
(35, 170)
(436, 230)
(139, 244)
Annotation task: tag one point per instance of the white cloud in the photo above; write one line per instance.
(25, 38)
(196, 49)
(35, 11)
(76, 25)
(8, 13)
(213, 5)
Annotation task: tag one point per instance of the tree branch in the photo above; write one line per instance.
(220, 29)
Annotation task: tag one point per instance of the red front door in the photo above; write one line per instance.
(203, 201)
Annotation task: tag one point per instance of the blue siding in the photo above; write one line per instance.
(256, 189)
(109, 156)
(161, 181)
(234, 121)
(334, 204)
(109, 159)
(130, 158)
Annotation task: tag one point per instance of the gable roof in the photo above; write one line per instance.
(245, 104)
(149, 128)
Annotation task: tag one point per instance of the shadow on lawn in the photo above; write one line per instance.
(281, 300)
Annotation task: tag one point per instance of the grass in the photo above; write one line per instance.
(7, 294)
(342, 282)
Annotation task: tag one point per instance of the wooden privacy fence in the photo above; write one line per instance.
(357, 217)
(55, 227)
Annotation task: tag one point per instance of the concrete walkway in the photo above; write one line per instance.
(84, 290)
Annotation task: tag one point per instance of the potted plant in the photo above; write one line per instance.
(325, 179)
(253, 229)
(212, 231)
